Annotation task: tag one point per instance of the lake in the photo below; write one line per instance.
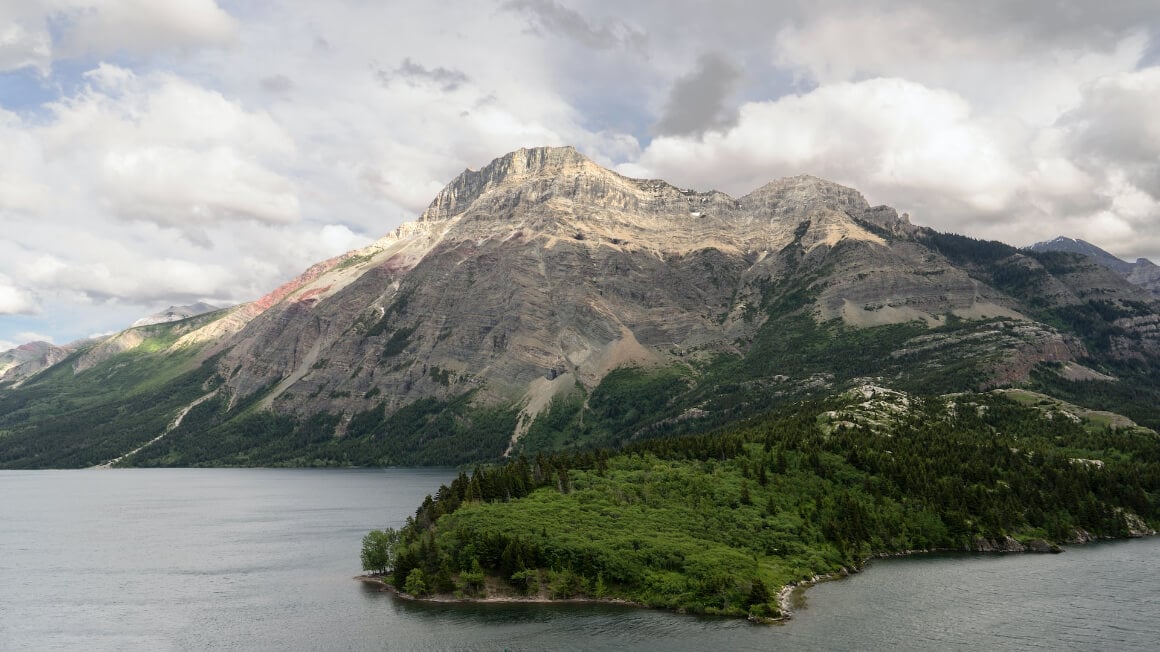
(251, 559)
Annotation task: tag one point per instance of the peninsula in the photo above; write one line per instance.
(726, 522)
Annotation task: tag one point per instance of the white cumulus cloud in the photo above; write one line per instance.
(36, 34)
(889, 137)
(103, 27)
(24, 39)
(15, 300)
(169, 151)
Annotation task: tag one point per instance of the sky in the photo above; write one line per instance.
(157, 153)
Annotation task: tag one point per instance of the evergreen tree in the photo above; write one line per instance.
(416, 583)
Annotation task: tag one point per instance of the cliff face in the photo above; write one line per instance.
(29, 359)
(1145, 274)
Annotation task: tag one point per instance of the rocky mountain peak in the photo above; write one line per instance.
(175, 313)
(30, 349)
(511, 170)
(556, 192)
(1077, 246)
(1142, 273)
(28, 359)
(801, 195)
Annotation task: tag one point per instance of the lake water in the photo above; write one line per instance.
(263, 559)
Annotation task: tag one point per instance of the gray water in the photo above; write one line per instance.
(264, 559)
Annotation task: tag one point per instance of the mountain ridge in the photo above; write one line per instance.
(175, 313)
(29, 359)
(1142, 272)
(536, 298)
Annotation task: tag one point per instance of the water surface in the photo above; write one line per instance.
(251, 559)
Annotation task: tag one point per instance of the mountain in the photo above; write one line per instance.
(28, 359)
(1143, 272)
(544, 302)
(176, 313)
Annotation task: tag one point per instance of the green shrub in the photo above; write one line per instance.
(416, 583)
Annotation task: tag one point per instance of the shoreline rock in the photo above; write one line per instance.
(784, 597)
(444, 598)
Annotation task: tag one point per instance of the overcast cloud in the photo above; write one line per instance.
(701, 100)
(160, 153)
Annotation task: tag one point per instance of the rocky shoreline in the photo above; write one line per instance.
(1006, 545)
(493, 597)
(785, 595)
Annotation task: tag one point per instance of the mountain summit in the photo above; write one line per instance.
(544, 302)
(176, 313)
(1143, 272)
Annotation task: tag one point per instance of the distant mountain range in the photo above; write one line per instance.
(175, 313)
(1142, 272)
(29, 359)
(33, 357)
(544, 302)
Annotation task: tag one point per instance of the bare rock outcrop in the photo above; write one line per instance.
(29, 359)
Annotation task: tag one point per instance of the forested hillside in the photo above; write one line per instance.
(717, 523)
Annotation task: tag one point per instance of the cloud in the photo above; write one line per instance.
(107, 27)
(446, 79)
(15, 300)
(1111, 138)
(128, 276)
(1094, 173)
(1010, 67)
(102, 28)
(839, 40)
(277, 84)
(24, 187)
(1115, 126)
(339, 237)
(24, 39)
(214, 156)
(868, 43)
(887, 136)
(556, 18)
(161, 180)
(698, 101)
(168, 151)
(110, 265)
